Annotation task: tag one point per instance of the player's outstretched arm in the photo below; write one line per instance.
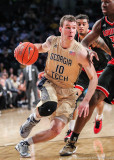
(91, 73)
(93, 38)
(44, 47)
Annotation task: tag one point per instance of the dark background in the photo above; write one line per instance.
(34, 21)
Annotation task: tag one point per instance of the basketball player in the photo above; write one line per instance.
(82, 25)
(105, 89)
(64, 62)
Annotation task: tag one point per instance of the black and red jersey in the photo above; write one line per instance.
(101, 64)
(107, 33)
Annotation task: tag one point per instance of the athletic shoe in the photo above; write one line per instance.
(23, 149)
(26, 128)
(68, 150)
(97, 126)
(68, 135)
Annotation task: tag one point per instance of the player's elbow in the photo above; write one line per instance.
(94, 78)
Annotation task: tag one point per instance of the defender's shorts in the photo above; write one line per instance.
(65, 98)
(83, 80)
(106, 83)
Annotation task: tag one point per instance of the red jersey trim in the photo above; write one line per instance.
(112, 102)
(79, 87)
(103, 90)
(99, 72)
(111, 61)
(110, 23)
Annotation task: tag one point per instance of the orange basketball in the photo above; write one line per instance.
(26, 53)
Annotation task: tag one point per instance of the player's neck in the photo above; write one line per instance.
(111, 18)
(66, 43)
(82, 36)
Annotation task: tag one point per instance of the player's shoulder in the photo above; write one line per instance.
(78, 45)
(51, 38)
(97, 25)
(80, 50)
(55, 39)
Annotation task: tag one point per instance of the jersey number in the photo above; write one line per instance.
(60, 69)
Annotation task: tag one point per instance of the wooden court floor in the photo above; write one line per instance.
(89, 146)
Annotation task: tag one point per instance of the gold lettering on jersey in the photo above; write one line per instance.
(61, 59)
(59, 77)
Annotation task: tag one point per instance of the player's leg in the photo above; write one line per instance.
(45, 107)
(99, 107)
(80, 123)
(99, 117)
(81, 84)
(105, 91)
(71, 126)
(57, 125)
(72, 122)
(62, 116)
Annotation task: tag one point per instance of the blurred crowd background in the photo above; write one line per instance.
(34, 21)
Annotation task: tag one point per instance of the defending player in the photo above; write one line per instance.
(105, 89)
(82, 25)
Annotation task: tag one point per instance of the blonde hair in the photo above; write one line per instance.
(69, 18)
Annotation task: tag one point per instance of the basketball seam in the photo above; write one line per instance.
(24, 52)
(32, 55)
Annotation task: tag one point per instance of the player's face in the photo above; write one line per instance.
(68, 31)
(82, 26)
(107, 7)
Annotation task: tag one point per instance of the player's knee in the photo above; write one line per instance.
(57, 131)
(47, 108)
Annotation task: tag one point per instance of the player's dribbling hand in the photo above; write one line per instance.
(83, 108)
